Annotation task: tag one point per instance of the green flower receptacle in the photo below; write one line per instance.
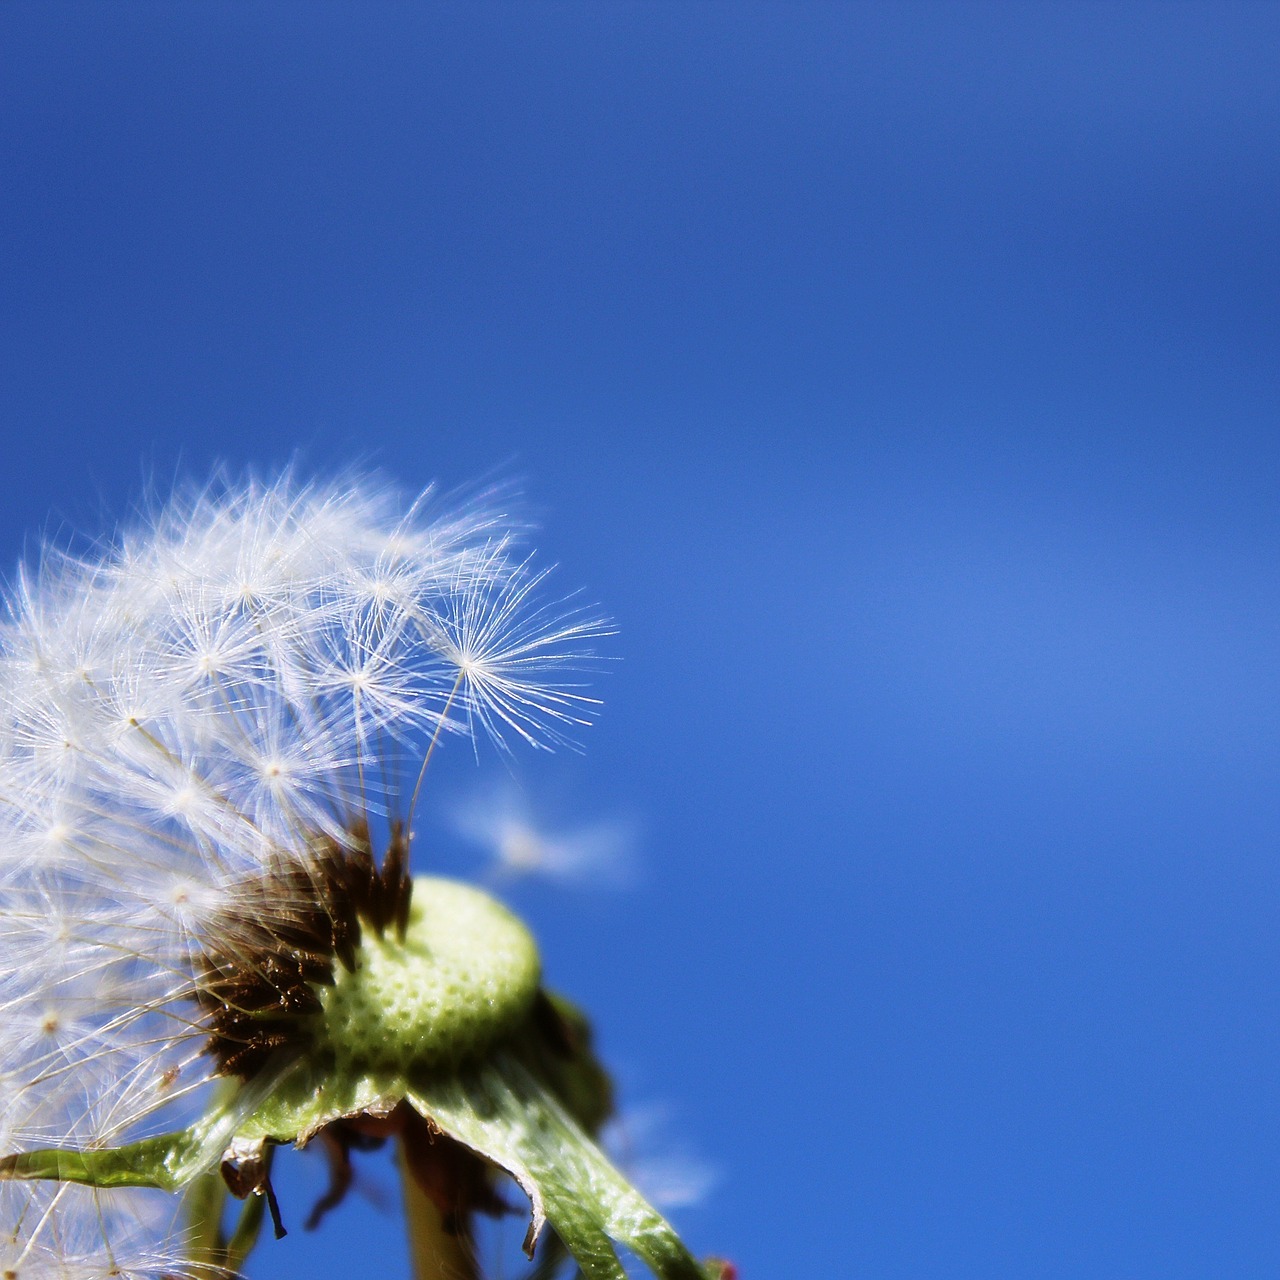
(463, 978)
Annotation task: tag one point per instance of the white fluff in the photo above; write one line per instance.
(247, 669)
(500, 822)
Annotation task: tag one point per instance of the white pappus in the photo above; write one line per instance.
(501, 823)
(253, 672)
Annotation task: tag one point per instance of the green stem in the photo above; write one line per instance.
(204, 1200)
(436, 1254)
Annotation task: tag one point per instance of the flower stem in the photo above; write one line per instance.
(435, 1253)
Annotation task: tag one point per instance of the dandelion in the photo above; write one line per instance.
(211, 942)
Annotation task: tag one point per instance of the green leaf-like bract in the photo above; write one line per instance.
(168, 1161)
(501, 1111)
(528, 1106)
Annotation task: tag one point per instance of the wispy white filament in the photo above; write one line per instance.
(245, 672)
(500, 822)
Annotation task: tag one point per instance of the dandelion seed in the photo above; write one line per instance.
(500, 822)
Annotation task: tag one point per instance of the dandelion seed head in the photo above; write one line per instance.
(204, 720)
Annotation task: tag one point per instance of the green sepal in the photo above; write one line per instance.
(203, 1204)
(245, 1236)
(505, 1114)
(316, 1095)
(168, 1161)
(556, 1045)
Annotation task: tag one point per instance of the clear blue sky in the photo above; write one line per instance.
(903, 379)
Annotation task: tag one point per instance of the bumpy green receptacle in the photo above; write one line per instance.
(464, 977)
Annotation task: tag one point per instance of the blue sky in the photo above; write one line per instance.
(902, 378)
